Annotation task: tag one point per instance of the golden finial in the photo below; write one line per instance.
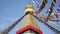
(29, 8)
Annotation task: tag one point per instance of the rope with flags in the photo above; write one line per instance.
(40, 8)
(37, 4)
(6, 31)
(51, 9)
(51, 15)
(57, 13)
(52, 28)
(55, 20)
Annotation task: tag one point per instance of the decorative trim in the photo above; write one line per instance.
(27, 28)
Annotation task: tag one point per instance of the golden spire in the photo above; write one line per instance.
(29, 24)
(29, 8)
(29, 19)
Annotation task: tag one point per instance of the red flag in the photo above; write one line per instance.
(54, 1)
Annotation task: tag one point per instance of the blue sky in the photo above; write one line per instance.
(12, 10)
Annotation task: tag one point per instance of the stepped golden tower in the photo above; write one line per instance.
(29, 25)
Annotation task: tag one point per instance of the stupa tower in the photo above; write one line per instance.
(29, 25)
